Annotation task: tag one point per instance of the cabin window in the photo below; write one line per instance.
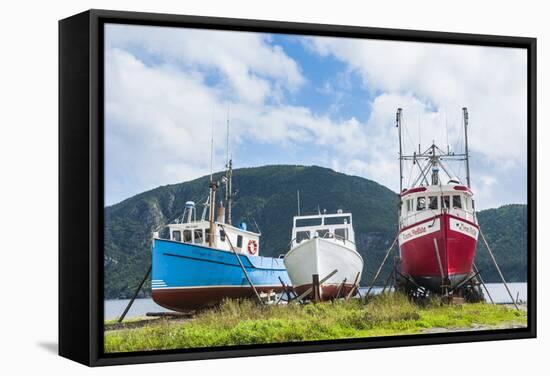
(337, 220)
(198, 236)
(187, 236)
(239, 241)
(306, 222)
(433, 204)
(457, 202)
(473, 204)
(302, 235)
(446, 203)
(421, 203)
(222, 235)
(341, 233)
(207, 235)
(323, 233)
(176, 235)
(467, 204)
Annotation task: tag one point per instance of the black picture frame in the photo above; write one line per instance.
(81, 184)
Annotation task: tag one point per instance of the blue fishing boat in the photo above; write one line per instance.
(199, 262)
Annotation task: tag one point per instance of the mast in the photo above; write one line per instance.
(212, 211)
(432, 157)
(398, 125)
(466, 152)
(212, 191)
(228, 189)
(228, 175)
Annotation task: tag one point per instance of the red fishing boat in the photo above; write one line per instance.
(438, 228)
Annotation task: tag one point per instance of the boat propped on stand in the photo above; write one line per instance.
(323, 258)
(200, 262)
(438, 227)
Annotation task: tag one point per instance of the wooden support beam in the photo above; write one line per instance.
(483, 284)
(241, 264)
(135, 294)
(316, 288)
(308, 291)
(498, 268)
(381, 266)
(339, 291)
(355, 283)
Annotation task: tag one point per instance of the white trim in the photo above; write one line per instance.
(463, 227)
(208, 287)
(425, 228)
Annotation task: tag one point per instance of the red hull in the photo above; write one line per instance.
(328, 292)
(189, 299)
(456, 242)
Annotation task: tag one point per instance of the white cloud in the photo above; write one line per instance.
(159, 118)
(244, 59)
(165, 87)
(432, 82)
(490, 81)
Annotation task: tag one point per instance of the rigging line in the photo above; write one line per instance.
(419, 134)
(452, 171)
(405, 126)
(446, 129)
(407, 131)
(410, 174)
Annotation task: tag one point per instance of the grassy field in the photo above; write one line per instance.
(245, 322)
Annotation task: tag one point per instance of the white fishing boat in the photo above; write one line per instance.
(323, 254)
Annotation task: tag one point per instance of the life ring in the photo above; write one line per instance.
(252, 247)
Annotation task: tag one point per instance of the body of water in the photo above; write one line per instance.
(114, 308)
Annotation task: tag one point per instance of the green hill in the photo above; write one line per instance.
(267, 195)
(505, 229)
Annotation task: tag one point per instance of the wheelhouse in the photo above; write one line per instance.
(336, 227)
(422, 203)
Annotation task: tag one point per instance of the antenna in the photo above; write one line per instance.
(466, 152)
(298, 192)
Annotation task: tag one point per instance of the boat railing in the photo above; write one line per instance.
(327, 235)
(426, 214)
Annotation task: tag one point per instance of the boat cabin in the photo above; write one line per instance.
(226, 237)
(337, 227)
(421, 203)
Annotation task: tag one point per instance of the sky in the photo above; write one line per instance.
(304, 100)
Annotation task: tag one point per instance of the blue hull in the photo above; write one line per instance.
(188, 276)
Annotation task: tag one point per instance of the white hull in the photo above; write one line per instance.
(322, 256)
